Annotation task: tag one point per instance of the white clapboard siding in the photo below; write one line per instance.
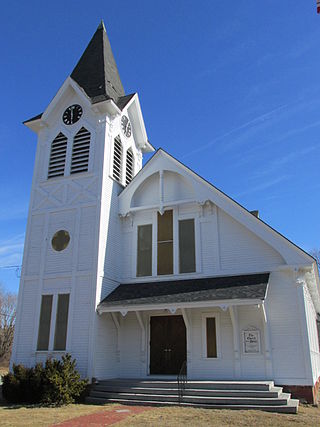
(58, 262)
(131, 364)
(241, 249)
(86, 240)
(81, 316)
(105, 354)
(283, 314)
(36, 239)
(252, 365)
(80, 152)
(28, 323)
(215, 368)
(58, 156)
(314, 343)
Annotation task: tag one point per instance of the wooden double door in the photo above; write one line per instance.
(168, 344)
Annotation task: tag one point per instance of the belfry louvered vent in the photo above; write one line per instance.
(80, 152)
(129, 166)
(117, 159)
(58, 156)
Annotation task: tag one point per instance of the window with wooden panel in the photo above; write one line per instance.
(60, 336)
(129, 166)
(165, 243)
(187, 252)
(44, 323)
(58, 153)
(211, 337)
(80, 152)
(117, 159)
(144, 252)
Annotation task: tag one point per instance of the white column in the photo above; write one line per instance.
(188, 335)
(267, 342)
(233, 310)
(117, 325)
(143, 337)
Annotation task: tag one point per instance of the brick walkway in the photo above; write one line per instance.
(104, 418)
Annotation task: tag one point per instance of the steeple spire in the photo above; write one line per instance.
(97, 72)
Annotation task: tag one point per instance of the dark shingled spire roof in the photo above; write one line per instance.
(96, 71)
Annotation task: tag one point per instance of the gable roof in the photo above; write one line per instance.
(124, 100)
(223, 196)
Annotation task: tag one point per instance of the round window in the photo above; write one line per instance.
(60, 240)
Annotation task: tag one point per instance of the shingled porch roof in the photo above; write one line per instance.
(245, 287)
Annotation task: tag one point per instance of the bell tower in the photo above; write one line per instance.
(91, 139)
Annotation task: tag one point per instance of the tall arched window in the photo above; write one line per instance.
(80, 152)
(117, 159)
(58, 154)
(129, 166)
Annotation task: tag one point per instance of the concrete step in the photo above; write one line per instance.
(290, 408)
(274, 392)
(282, 400)
(212, 385)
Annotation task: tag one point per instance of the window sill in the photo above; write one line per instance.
(211, 359)
(169, 276)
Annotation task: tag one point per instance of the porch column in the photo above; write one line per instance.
(117, 325)
(233, 310)
(143, 337)
(188, 330)
(267, 342)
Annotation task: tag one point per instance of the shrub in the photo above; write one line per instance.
(56, 383)
(23, 384)
(63, 383)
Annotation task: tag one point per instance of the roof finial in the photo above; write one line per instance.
(101, 26)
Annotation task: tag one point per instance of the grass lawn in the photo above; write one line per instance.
(36, 416)
(194, 417)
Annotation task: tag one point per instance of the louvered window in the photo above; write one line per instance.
(129, 166)
(58, 156)
(117, 159)
(80, 152)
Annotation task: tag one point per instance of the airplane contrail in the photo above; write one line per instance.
(257, 119)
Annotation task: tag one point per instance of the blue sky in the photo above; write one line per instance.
(230, 88)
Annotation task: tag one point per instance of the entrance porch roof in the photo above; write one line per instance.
(209, 291)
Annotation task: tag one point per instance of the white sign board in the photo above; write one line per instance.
(251, 342)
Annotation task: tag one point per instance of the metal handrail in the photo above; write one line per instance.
(182, 380)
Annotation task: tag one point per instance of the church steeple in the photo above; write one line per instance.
(97, 72)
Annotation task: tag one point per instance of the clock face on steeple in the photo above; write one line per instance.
(72, 114)
(126, 126)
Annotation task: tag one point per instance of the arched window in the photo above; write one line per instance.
(80, 152)
(57, 156)
(117, 159)
(129, 166)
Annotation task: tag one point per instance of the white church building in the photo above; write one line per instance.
(136, 269)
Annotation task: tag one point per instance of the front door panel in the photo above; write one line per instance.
(167, 344)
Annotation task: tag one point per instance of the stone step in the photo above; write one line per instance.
(290, 408)
(272, 393)
(282, 400)
(212, 385)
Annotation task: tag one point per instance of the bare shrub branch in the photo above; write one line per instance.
(8, 302)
